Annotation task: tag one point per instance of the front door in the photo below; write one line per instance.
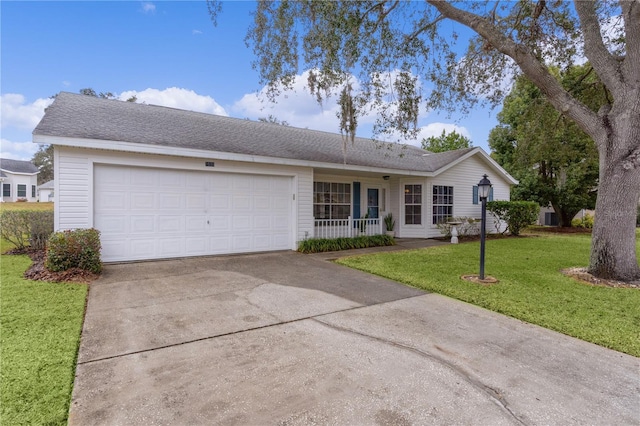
(373, 203)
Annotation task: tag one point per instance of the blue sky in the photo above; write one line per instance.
(165, 53)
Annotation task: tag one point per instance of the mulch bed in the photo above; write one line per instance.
(38, 272)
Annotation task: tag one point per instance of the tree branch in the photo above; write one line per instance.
(601, 60)
(631, 16)
(423, 28)
(537, 72)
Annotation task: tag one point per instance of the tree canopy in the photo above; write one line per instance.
(555, 162)
(400, 58)
(446, 142)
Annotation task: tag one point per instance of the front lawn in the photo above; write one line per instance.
(531, 287)
(27, 206)
(41, 324)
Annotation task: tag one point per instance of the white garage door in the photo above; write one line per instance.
(145, 213)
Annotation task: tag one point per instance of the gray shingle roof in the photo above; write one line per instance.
(86, 117)
(17, 166)
(47, 185)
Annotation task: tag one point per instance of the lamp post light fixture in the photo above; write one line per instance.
(484, 187)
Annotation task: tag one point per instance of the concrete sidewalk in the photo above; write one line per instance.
(289, 339)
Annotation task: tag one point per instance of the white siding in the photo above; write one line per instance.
(304, 199)
(463, 177)
(74, 183)
(14, 180)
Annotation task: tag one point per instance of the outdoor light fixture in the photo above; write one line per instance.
(484, 187)
(386, 177)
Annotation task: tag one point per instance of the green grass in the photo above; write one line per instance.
(531, 287)
(40, 326)
(26, 206)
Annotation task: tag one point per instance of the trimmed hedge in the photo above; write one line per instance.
(20, 227)
(321, 245)
(79, 248)
(517, 214)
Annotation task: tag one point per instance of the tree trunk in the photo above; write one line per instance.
(564, 216)
(613, 245)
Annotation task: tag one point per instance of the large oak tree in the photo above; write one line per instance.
(399, 56)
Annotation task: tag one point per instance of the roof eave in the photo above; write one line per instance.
(219, 155)
(486, 157)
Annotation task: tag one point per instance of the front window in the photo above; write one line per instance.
(22, 190)
(442, 203)
(6, 190)
(413, 204)
(33, 191)
(331, 200)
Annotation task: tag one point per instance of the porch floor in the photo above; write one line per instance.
(401, 244)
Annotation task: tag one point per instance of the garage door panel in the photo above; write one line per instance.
(241, 243)
(112, 200)
(142, 248)
(111, 224)
(220, 223)
(141, 224)
(241, 223)
(196, 201)
(142, 201)
(170, 247)
(170, 201)
(220, 202)
(241, 203)
(170, 224)
(220, 245)
(141, 177)
(195, 223)
(155, 213)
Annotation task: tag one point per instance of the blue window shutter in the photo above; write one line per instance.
(475, 194)
(356, 200)
(491, 194)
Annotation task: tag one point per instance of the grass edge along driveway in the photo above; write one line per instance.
(40, 327)
(531, 287)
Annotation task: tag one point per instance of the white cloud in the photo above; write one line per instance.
(148, 7)
(17, 150)
(196, 32)
(66, 83)
(176, 97)
(16, 112)
(300, 109)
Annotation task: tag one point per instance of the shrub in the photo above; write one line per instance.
(321, 245)
(79, 248)
(516, 214)
(22, 226)
(469, 226)
(585, 222)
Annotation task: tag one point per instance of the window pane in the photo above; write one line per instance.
(6, 190)
(22, 190)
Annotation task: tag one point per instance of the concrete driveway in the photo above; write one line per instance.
(292, 339)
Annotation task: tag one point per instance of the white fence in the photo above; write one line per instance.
(337, 228)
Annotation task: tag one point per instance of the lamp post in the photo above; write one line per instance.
(484, 187)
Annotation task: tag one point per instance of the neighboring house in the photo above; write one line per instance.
(19, 180)
(45, 192)
(160, 182)
(549, 217)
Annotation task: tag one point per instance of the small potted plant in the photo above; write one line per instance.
(390, 224)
